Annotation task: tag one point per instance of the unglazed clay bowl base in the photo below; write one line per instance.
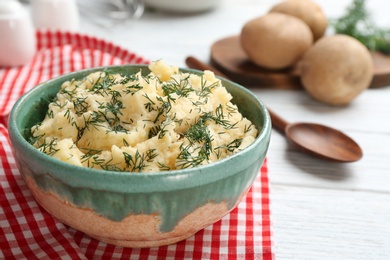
(135, 209)
(133, 231)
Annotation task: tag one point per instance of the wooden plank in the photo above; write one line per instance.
(329, 224)
(366, 120)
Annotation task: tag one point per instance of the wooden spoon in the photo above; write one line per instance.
(318, 140)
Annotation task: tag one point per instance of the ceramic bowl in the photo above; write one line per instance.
(133, 209)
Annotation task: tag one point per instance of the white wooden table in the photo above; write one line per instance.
(319, 210)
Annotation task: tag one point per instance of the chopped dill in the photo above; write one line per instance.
(103, 85)
(132, 89)
(200, 139)
(151, 154)
(90, 153)
(232, 146)
(135, 163)
(99, 103)
(50, 113)
(80, 105)
(186, 159)
(48, 148)
(149, 105)
(182, 88)
(247, 128)
(118, 128)
(68, 116)
(163, 109)
(153, 131)
(163, 167)
(206, 88)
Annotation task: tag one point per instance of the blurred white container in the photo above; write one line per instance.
(18, 38)
(183, 6)
(108, 13)
(59, 15)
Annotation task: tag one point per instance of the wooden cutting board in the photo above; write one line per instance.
(228, 56)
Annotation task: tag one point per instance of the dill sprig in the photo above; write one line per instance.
(80, 105)
(159, 129)
(205, 88)
(199, 147)
(103, 85)
(248, 128)
(163, 167)
(92, 158)
(357, 23)
(150, 104)
(163, 109)
(186, 159)
(48, 147)
(132, 89)
(35, 138)
(153, 131)
(135, 163)
(219, 118)
(151, 154)
(232, 146)
(90, 153)
(200, 139)
(182, 88)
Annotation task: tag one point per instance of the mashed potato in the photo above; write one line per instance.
(163, 121)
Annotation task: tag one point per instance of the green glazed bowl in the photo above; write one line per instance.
(135, 209)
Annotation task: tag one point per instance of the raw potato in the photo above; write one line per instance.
(336, 69)
(306, 10)
(275, 40)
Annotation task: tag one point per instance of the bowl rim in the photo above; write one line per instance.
(165, 176)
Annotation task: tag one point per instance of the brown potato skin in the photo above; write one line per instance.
(275, 40)
(336, 69)
(306, 10)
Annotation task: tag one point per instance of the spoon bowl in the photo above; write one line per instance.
(321, 141)
(331, 143)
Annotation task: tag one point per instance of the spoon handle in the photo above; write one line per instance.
(194, 63)
(277, 122)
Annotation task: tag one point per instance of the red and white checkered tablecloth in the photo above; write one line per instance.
(27, 231)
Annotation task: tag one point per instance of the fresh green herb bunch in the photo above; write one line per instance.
(357, 23)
